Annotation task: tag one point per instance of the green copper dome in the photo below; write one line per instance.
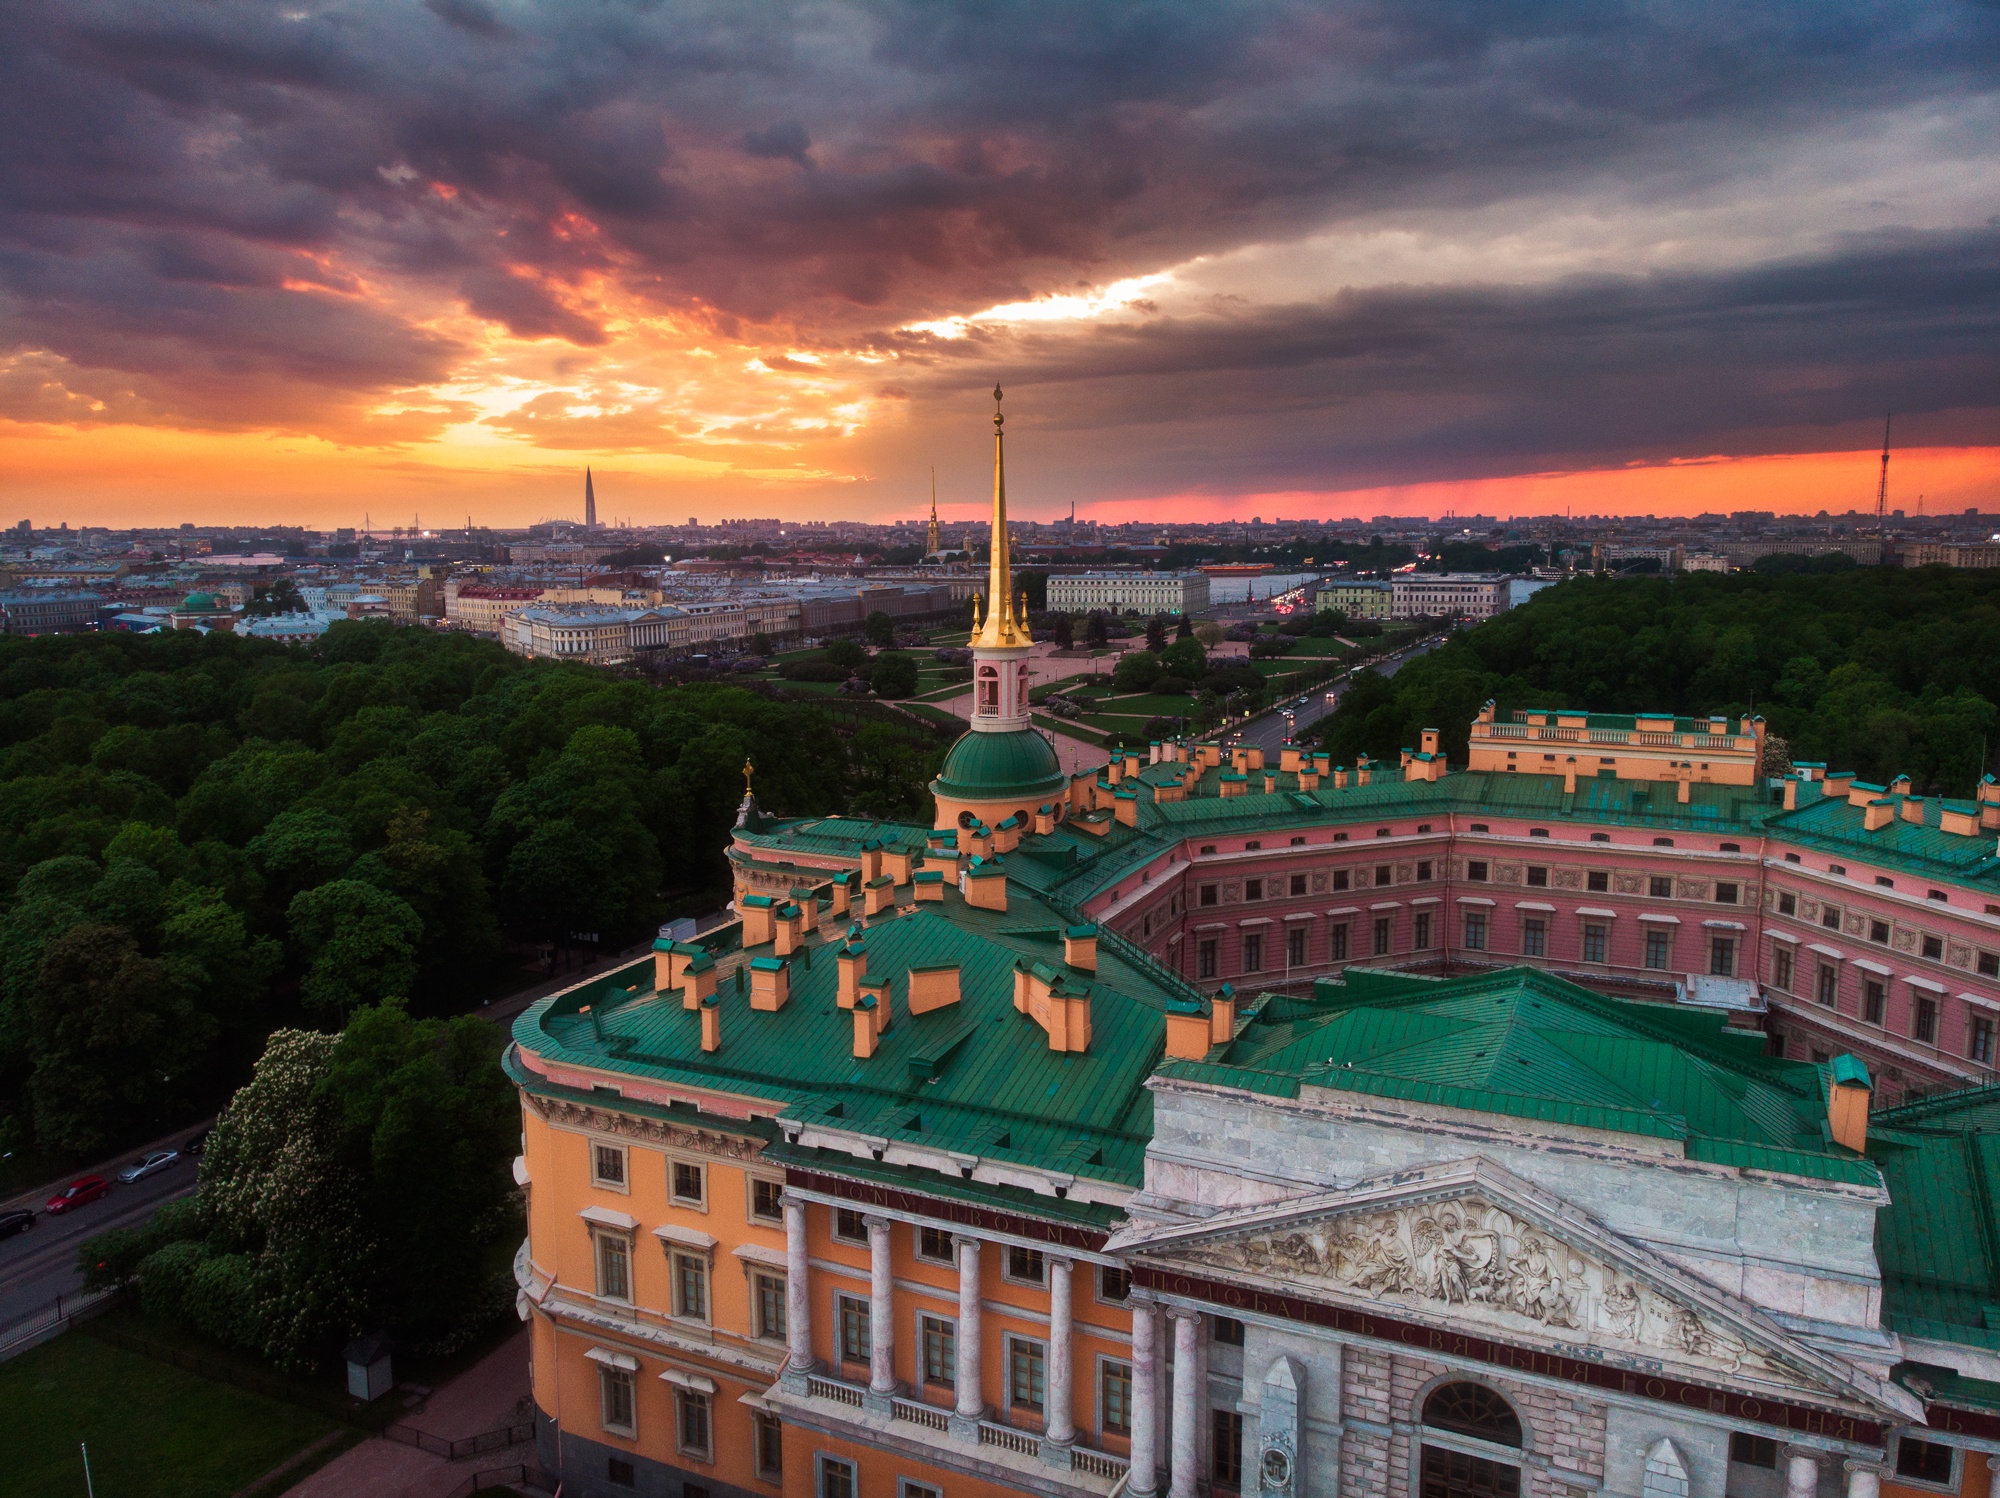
(1000, 766)
(199, 603)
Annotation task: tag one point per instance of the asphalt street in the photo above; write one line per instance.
(1268, 732)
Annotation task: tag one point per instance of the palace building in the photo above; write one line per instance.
(1618, 1123)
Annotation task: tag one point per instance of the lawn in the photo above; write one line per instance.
(152, 1429)
(1148, 705)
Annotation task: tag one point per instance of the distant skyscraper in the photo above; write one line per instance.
(589, 502)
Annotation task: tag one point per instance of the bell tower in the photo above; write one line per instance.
(1000, 643)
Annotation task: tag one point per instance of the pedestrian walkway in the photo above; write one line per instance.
(490, 1395)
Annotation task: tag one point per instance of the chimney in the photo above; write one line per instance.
(757, 919)
(1115, 772)
(933, 986)
(1021, 987)
(1288, 759)
(1080, 947)
(711, 1023)
(788, 929)
(1959, 823)
(1900, 786)
(697, 981)
(1791, 793)
(871, 860)
(1912, 809)
(1340, 777)
(1187, 1030)
(866, 1035)
(853, 964)
(896, 864)
(1569, 776)
(1682, 793)
(665, 969)
(770, 983)
(1361, 770)
(1877, 815)
(1430, 741)
(1256, 758)
(1404, 757)
(1131, 762)
(1045, 820)
(1847, 1098)
(840, 888)
(1486, 710)
(929, 885)
(883, 1002)
(986, 885)
(877, 895)
(1222, 1016)
(1062, 1013)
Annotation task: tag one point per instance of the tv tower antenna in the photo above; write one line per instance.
(1882, 484)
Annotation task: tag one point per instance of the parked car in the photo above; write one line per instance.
(16, 1222)
(153, 1164)
(77, 1193)
(197, 1144)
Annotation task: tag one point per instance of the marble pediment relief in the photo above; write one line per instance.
(1468, 1247)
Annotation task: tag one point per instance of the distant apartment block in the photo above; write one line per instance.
(482, 609)
(592, 633)
(1358, 599)
(1449, 595)
(1140, 592)
(37, 611)
(1620, 746)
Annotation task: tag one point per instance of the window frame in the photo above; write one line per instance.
(688, 1401)
(1475, 931)
(852, 1327)
(1594, 944)
(826, 1465)
(944, 1329)
(1534, 936)
(1661, 942)
(1597, 881)
(603, 1238)
(676, 1163)
(1948, 1485)
(1037, 1266)
(922, 1256)
(622, 1153)
(679, 1262)
(841, 1235)
(1097, 1285)
(1034, 1353)
(777, 1216)
(609, 1377)
(760, 1323)
(1113, 1371)
(762, 1424)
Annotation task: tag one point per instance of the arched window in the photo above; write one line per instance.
(1473, 1410)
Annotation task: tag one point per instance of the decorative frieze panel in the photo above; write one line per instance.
(1567, 878)
(1625, 884)
(1691, 889)
(647, 1130)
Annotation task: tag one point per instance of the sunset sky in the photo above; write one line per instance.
(302, 262)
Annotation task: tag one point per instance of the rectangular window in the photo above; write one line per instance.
(836, 1478)
(940, 1340)
(1026, 1376)
(690, 1183)
(1476, 871)
(1989, 964)
(1114, 1398)
(1933, 949)
(1534, 937)
(1659, 950)
(691, 1414)
(607, 1166)
(1025, 1265)
(1384, 935)
(1382, 875)
(1475, 930)
(1253, 952)
(1205, 958)
(1722, 956)
(1298, 884)
(618, 1472)
(1593, 943)
(1208, 894)
(1340, 879)
(1114, 1286)
(1829, 917)
(1336, 942)
(1597, 881)
(767, 1199)
(1295, 946)
(1788, 904)
(1420, 930)
(1979, 1040)
(691, 1286)
(1538, 878)
(1874, 999)
(1925, 1461)
(1725, 894)
(856, 1343)
(1226, 1448)
(934, 1245)
(1753, 1451)
(910, 1489)
(1660, 887)
(614, 1266)
(616, 1404)
(1827, 989)
(1226, 1330)
(1923, 1026)
(848, 1226)
(768, 1436)
(1878, 931)
(1781, 967)
(770, 1298)
(1253, 889)
(1424, 872)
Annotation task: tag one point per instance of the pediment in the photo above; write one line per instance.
(1470, 1247)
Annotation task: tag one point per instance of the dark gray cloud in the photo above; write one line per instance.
(191, 195)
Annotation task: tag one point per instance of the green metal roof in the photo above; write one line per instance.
(1829, 824)
(1939, 1241)
(997, 766)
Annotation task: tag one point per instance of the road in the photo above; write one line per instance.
(39, 1265)
(1268, 732)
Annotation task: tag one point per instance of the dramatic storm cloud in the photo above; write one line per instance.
(763, 256)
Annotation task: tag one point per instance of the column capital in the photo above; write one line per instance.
(959, 1240)
(872, 1222)
(1184, 1313)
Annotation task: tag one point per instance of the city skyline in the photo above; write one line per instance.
(259, 265)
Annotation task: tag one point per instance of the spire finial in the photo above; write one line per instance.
(748, 770)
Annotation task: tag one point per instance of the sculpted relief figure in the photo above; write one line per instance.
(1468, 1253)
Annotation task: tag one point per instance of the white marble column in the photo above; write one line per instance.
(1864, 1480)
(881, 1311)
(1993, 1477)
(1059, 1429)
(1801, 1475)
(1187, 1400)
(798, 1290)
(1144, 1479)
(971, 1399)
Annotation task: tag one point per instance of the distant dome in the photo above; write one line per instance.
(1021, 766)
(198, 603)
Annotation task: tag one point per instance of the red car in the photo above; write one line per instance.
(76, 1193)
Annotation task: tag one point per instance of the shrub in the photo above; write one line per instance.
(165, 1277)
(1267, 650)
(894, 676)
(814, 670)
(1171, 686)
(1136, 672)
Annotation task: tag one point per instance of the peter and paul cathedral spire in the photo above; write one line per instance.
(931, 546)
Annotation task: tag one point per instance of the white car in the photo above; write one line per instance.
(159, 1160)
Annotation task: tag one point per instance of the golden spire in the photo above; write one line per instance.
(931, 536)
(1004, 627)
(748, 770)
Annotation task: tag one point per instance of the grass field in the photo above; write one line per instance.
(154, 1431)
